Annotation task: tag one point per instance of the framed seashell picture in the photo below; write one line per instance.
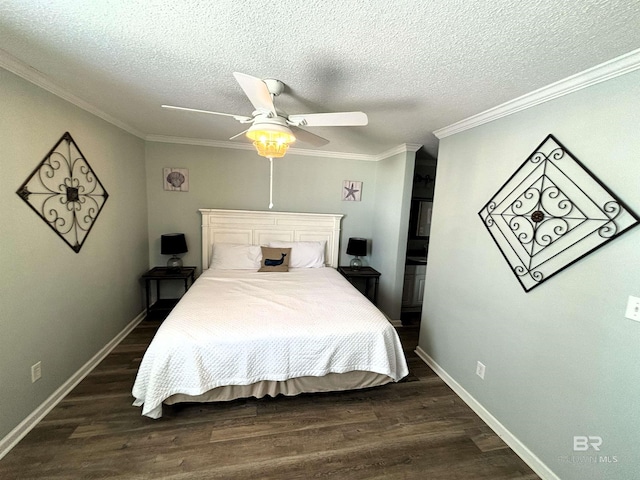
(176, 179)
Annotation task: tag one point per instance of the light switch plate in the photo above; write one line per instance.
(633, 309)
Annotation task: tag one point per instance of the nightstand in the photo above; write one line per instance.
(366, 273)
(159, 274)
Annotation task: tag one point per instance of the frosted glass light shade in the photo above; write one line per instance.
(272, 140)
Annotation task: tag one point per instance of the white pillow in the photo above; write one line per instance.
(303, 254)
(231, 256)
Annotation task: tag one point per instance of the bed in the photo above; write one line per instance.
(251, 326)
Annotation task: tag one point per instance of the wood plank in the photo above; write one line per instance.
(415, 429)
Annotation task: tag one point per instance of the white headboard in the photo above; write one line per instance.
(259, 228)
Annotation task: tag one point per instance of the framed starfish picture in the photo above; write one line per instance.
(351, 191)
(551, 213)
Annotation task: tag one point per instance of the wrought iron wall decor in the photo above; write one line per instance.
(65, 192)
(551, 213)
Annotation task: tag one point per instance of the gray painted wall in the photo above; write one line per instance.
(56, 306)
(391, 228)
(560, 360)
(239, 179)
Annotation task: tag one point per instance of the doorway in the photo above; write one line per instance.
(424, 178)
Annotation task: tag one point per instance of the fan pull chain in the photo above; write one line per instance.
(271, 183)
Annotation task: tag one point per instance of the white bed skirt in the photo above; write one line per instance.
(332, 382)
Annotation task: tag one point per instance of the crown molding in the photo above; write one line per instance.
(201, 142)
(30, 74)
(406, 147)
(403, 148)
(246, 146)
(605, 71)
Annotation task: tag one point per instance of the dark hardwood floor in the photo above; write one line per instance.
(416, 429)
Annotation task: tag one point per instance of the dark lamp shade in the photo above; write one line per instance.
(357, 247)
(173, 243)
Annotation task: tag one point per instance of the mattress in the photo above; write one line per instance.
(238, 328)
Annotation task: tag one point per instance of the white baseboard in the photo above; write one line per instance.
(516, 445)
(24, 427)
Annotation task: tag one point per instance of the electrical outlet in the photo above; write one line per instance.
(480, 369)
(633, 309)
(36, 372)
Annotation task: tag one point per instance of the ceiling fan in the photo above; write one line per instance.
(272, 130)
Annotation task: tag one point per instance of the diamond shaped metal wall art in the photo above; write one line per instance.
(551, 213)
(65, 192)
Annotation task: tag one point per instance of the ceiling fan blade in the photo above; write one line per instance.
(240, 118)
(257, 91)
(239, 134)
(336, 119)
(308, 137)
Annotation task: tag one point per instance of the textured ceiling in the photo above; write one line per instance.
(412, 66)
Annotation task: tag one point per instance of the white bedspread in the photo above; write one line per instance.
(236, 327)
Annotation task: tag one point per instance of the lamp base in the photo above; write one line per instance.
(356, 263)
(174, 264)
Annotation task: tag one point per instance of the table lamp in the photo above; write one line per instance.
(358, 248)
(173, 244)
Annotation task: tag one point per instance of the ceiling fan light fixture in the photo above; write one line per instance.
(271, 140)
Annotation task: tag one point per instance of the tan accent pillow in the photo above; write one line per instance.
(275, 259)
